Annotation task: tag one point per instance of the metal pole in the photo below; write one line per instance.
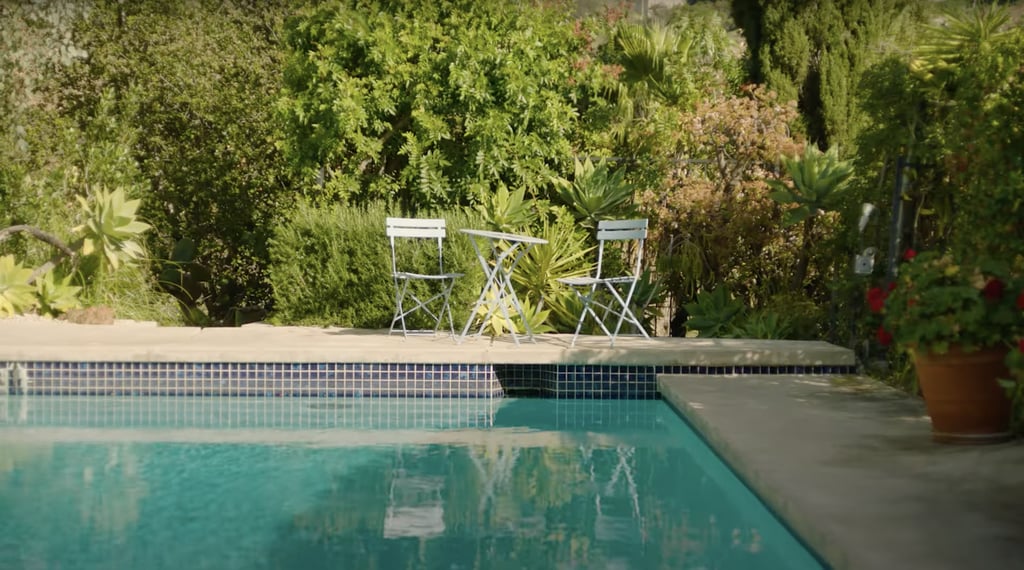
(896, 222)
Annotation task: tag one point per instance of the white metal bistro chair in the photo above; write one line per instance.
(406, 301)
(630, 234)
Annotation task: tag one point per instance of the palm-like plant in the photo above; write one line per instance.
(945, 46)
(648, 51)
(820, 180)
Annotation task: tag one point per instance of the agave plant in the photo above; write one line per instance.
(495, 324)
(506, 211)
(565, 255)
(763, 324)
(566, 307)
(56, 295)
(819, 185)
(537, 317)
(16, 295)
(648, 296)
(111, 228)
(713, 313)
(819, 180)
(597, 192)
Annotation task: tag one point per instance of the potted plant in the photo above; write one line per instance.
(957, 318)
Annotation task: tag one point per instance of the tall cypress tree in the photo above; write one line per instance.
(815, 52)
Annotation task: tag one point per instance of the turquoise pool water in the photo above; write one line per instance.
(219, 483)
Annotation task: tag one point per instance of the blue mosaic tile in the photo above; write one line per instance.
(371, 379)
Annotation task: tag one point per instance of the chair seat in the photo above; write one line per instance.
(435, 277)
(587, 281)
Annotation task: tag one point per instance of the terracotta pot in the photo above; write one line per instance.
(963, 396)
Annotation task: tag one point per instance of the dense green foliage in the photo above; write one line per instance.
(332, 266)
(949, 108)
(817, 52)
(194, 84)
(266, 140)
(432, 105)
(970, 74)
(713, 220)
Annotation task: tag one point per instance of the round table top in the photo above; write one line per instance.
(504, 236)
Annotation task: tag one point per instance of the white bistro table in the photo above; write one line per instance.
(499, 276)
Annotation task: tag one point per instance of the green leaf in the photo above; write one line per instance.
(596, 193)
(16, 295)
(782, 197)
(792, 217)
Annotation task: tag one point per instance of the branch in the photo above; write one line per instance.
(63, 251)
(38, 234)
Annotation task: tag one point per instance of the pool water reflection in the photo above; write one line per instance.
(371, 484)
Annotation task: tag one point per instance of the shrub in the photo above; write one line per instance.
(806, 319)
(714, 313)
(331, 265)
(763, 324)
(326, 267)
(713, 212)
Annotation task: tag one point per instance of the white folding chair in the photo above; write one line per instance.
(406, 301)
(630, 234)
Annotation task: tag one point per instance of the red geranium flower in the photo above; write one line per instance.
(993, 289)
(884, 336)
(1020, 345)
(876, 299)
(909, 254)
(1020, 301)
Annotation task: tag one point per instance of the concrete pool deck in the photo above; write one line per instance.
(848, 463)
(27, 338)
(845, 461)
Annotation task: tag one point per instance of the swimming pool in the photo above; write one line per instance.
(215, 482)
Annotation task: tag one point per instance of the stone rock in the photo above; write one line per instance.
(99, 315)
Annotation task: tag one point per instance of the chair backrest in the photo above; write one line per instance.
(416, 228)
(622, 230)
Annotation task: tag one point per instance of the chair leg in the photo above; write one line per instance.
(407, 303)
(579, 323)
(587, 300)
(400, 291)
(445, 307)
(618, 306)
(626, 314)
(448, 307)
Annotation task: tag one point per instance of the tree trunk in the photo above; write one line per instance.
(804, 258)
